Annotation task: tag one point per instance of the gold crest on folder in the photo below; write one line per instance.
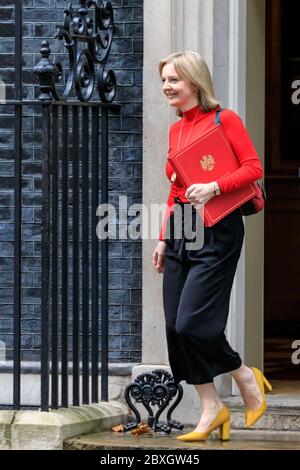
(207, 162)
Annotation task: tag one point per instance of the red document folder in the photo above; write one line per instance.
(205, 160)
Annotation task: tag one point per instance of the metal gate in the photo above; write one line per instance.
(74, 179)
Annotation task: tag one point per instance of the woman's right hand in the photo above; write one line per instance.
(158, 256)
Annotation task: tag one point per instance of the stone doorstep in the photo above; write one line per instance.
(271, 420)
(283, 414)
(6, 418)
(37, 430)
(239, 440)
(279, 428)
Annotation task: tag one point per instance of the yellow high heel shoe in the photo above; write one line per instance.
(221, 421)
(253, 415)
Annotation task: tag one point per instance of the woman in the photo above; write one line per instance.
(197, 283)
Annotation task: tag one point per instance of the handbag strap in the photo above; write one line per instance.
(217, 117)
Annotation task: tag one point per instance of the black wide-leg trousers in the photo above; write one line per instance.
(196, 294)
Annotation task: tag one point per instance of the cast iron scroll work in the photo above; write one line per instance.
(91, 25)
(156, 388)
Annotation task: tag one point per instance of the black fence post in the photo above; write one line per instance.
(95, 255)
(85, 255)
(104, 259)
(45, 70)
(45, 245)
(17, 209)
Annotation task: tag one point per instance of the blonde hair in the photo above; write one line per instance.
(192, 67)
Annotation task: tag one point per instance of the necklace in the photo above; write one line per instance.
(179, 140)
(173, 177)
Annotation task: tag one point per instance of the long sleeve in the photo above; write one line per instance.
(251, 169)
(176, 188)
(170, 202)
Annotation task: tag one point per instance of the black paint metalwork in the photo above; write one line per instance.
(87, 33)
(17, 211)
(151, 389)
(74, 139)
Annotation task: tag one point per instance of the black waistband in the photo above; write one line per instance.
(178, 200)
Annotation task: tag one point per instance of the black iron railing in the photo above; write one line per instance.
(74, 292)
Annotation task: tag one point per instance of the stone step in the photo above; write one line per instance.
(279, 428)
(283, 414)
(239, 440)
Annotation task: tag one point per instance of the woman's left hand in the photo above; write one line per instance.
(200, 193)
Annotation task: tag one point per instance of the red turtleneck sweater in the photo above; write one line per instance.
(250, 169)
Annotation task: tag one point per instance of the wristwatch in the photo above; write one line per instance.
(216, 188)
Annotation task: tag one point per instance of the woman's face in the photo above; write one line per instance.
(180, 92)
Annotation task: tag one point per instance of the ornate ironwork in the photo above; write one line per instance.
(156, 388)
(91, 25)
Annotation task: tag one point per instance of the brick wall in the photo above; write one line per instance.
(125, 172)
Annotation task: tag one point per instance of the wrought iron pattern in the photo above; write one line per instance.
(87, 32)
(156, 388)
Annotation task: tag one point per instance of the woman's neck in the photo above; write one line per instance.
(190, 113)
